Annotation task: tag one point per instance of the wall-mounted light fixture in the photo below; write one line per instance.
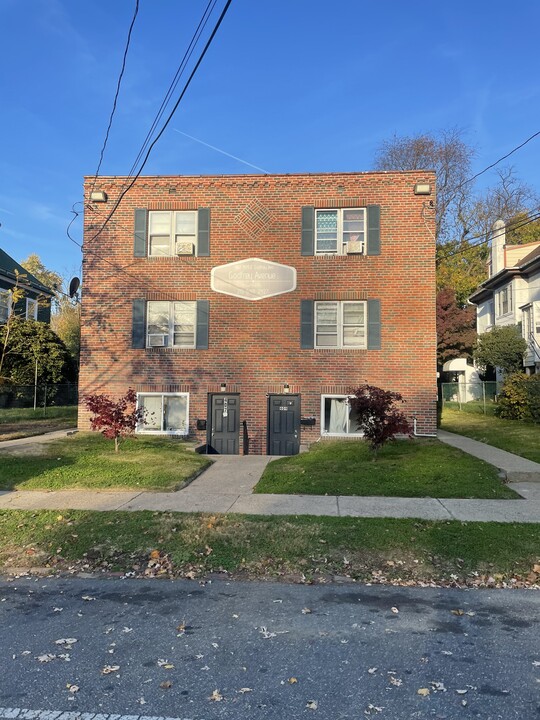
(98, 196)
(223, 387)
(422, 189)
(286, 388)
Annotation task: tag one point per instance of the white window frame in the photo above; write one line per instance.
(341, 240)
(169, 335)
(172, 236)
(504, 295)
(7, 294)
(34, 314)
(324, 431)
(184, 431)
(340, 327)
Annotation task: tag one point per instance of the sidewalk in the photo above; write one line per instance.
(226, 487)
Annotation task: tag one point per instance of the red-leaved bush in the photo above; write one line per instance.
(114, 419)
(377, 415)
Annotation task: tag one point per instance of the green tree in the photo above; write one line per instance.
(30, 343)
(49, 278)
(501, 347)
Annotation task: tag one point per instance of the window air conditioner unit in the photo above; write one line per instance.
(155, 340)
(184, 247)
(355, 247)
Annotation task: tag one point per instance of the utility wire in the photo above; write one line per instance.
(489, 167)
(117, 92)
(486, 239)
(174, 83)
(167, 121)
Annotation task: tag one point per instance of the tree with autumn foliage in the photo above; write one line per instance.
(377, 415)
(114, 419)
(456, 328)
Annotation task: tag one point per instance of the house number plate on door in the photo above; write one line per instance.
(225, 408)
(283, 407)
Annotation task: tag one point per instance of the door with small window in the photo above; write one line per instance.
(283, 425)
(224, 430)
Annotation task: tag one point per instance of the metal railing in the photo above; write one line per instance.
(38, 396)
(477, 396)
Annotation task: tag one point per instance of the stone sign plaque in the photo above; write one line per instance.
(253, 279)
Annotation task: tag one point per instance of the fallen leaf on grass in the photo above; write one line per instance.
(312, 704)
(165, 664)
(457, 612)
(424, 692)
(292, 680)
(216, 696)
(45, 658)
(108, 669)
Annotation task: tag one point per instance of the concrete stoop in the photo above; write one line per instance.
(513, 476)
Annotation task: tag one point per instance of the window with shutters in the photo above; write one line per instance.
(340, 324)
(165, 413)
(338, 418)
(172, 233)
(340, 232)
(171, 324)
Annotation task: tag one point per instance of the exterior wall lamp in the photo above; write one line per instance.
(286, 388)
(98, 196)
(223, 387)
(422, 189)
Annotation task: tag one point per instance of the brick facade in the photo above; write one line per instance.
(254, 347)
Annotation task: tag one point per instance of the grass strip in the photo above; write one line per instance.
(515, 436)
(259, 547)
(405, 468)
(25, 422)
(88, 461)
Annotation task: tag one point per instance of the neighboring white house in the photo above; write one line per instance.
(511, 294)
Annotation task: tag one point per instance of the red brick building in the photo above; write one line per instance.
(243, 309)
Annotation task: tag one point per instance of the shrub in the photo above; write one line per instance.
(114, 419)
(519, 398)
(377, 415)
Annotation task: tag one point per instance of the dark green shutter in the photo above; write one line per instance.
(141, 231)
(374, 324)
(308, 230)
(307, 310)
(202, 324)
(203, 232)
(138, 327)
(373, 230)
(44, 311)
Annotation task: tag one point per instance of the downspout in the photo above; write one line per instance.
(416, 434)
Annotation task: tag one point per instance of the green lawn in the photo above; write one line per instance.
(516, 436)
(88, 460)
(25, 422)
(293, 548)
(405, 468)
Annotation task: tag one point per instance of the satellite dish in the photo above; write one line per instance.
(74, 286)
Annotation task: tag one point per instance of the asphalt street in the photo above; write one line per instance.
(106, 649)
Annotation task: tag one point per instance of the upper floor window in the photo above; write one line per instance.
(172, 233)
(340, 324)
(504, 300)
(31, 309)
(340, 232)
(171, 324)
(5, 306)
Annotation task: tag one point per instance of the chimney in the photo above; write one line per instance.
(498, 241)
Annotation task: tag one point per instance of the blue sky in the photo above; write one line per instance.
(287, 85)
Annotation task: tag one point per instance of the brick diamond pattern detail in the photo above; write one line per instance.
(254, 218)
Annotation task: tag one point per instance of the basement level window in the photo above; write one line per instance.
(165, 413)
(338, 417)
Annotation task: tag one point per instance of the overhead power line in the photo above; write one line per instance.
(121, 75)
(167, 121)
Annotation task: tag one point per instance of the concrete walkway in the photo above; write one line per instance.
(226, 487)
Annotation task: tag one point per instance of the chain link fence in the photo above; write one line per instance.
(477, 396)
(38, 396)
